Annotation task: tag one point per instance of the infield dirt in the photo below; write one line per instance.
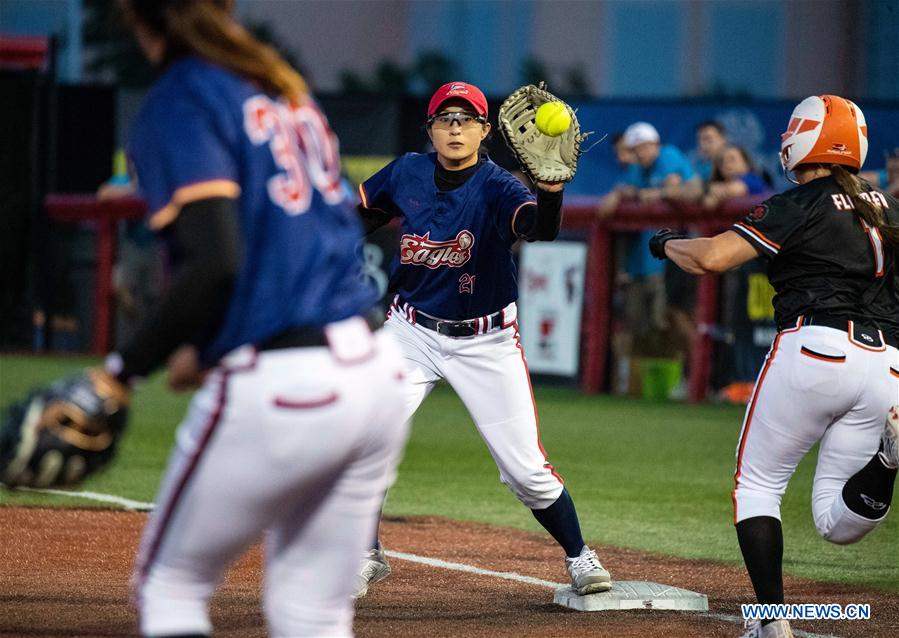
(65, 572)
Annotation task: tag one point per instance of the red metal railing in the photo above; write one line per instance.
(580, 215)
(24, 52)
(106, 214)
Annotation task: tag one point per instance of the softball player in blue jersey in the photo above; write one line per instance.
(454, 308)
(297, 428)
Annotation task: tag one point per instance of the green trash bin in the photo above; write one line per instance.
(659, 377)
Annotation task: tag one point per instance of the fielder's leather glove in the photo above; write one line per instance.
(658, 241)
(541, 157)
(60, 434)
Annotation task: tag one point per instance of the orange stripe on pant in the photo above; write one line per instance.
(751, 411)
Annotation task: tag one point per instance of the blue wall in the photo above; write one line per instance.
(640, 58)
(744, 47)
(755, 125)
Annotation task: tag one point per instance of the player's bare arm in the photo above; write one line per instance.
(709, 254)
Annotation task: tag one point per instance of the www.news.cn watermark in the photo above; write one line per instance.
(807, 611)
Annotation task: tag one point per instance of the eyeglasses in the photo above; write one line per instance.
(444, 121)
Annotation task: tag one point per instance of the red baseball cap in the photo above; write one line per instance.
(462, 90)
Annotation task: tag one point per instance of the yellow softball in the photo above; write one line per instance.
(553, 119)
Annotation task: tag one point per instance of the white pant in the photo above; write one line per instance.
(816, 385)
(301, 443)
(490, 375)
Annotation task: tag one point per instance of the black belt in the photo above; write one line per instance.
(858, 331)
(466, 328)
(305, 337)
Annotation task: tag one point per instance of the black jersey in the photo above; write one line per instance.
(822, 257)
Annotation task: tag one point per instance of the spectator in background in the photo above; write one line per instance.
(662, 172)
(624, 154)
(711, 139)
(624, 188)
(733, 175)
(886, 178)
(659, 172)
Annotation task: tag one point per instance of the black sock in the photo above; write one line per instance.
(560, 520)
(869, 491)
(762, 543)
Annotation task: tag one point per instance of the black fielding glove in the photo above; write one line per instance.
(657, 243)
(61, 433)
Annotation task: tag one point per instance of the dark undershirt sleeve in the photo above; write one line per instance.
(206, 251)
(372, 218)
(541, 222)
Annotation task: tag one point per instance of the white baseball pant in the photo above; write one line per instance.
(301, 443)
(489, 373)
(817, 384)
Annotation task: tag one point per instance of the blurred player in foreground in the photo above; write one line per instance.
(832, 374)
(454, 312)
(298, 424)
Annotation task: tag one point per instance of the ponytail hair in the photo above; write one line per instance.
(206, 28)
(873, 215)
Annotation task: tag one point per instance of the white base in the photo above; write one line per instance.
(633, 594)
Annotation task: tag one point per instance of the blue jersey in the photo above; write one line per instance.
(669, 162)
(455, 258)
(203, 125)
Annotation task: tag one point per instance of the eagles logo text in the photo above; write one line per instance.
(421, 251)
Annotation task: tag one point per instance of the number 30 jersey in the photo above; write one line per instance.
(823, 256)
(200, 125)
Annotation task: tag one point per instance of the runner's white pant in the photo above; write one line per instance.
(816, 385)
(490, 375)
(301, 443)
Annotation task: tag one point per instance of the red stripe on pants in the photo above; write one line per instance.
(527, 373)
(171, 503)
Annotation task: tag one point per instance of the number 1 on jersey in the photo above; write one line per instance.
(877, 245)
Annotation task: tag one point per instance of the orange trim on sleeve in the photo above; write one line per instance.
(759, 236)
(362, 196)
(192, 193)
(894, 372)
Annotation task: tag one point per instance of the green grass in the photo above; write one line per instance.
(649, 476)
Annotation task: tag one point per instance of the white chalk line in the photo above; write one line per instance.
(520, 578)
(127, 503)
(471, 569)
(413, 558)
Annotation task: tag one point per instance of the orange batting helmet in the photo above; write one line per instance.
(825, 129)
